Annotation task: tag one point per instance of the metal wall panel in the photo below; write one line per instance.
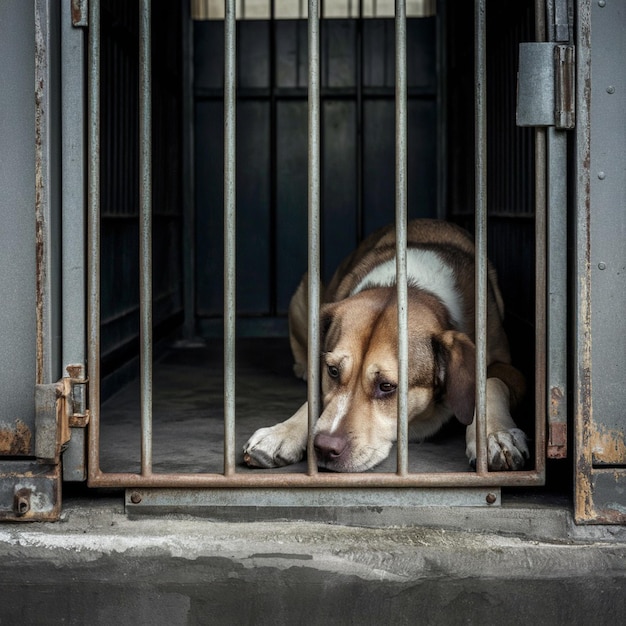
(17, 227)
(600, 258)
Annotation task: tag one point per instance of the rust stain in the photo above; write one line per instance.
(76, 12)
(557, 436)
(608, 445)
(75, 371)
(557, 441)
(16, 440)
(556, 398)
(584, 510)
(40, 190)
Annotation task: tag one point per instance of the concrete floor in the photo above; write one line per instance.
(188, 413)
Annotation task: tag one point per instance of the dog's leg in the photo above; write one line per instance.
(507, 448)
(282, 444)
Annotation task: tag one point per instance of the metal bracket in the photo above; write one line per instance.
(30, 488)
(546, 87)
(30, 491)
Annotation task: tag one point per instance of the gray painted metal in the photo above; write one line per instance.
(600, 426)
(144, 501)
(535, 94)
(73, 201)
(557, 309)
(46, 422)
(17, 199)
(554, 160)
(47, 190)
(608, 232)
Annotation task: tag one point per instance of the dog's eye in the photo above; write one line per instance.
(386, 388)
(333, 371)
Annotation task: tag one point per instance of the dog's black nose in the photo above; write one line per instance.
(329, 447)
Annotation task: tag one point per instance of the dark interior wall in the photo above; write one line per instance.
(358, 146)
(358, 166)
(510, 157)
(120, 177)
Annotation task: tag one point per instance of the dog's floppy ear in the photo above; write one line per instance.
(327, 315)
(455, 372)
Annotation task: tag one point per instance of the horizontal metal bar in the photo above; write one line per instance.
(326, 93)
(172, 500)
(275, 480)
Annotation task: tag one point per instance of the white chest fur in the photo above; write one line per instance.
(426, 270)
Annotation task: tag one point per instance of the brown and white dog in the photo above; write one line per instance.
(358, 424)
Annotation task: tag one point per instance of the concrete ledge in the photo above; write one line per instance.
(97, 566)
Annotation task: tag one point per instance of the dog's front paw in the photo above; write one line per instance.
(506, 450)
(271, 447)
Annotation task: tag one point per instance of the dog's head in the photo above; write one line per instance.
(358, 424)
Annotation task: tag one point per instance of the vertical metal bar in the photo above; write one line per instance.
(93, 234)
(552, 232)
(481, 232)
(45, 161)
(229, 235)
(583, 496)
(401, 234)
(145, 233)
(73, 216)
(314, 228)
(541, 260)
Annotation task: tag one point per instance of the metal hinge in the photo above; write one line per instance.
(546, 85)
(59, 407)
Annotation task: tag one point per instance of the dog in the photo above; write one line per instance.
(359, 344)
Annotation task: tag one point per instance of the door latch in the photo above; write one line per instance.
(59, 407)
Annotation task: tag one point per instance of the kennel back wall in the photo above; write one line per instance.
(251, 195)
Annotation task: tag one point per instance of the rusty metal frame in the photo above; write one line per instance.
(482, 478)
(598, 490)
